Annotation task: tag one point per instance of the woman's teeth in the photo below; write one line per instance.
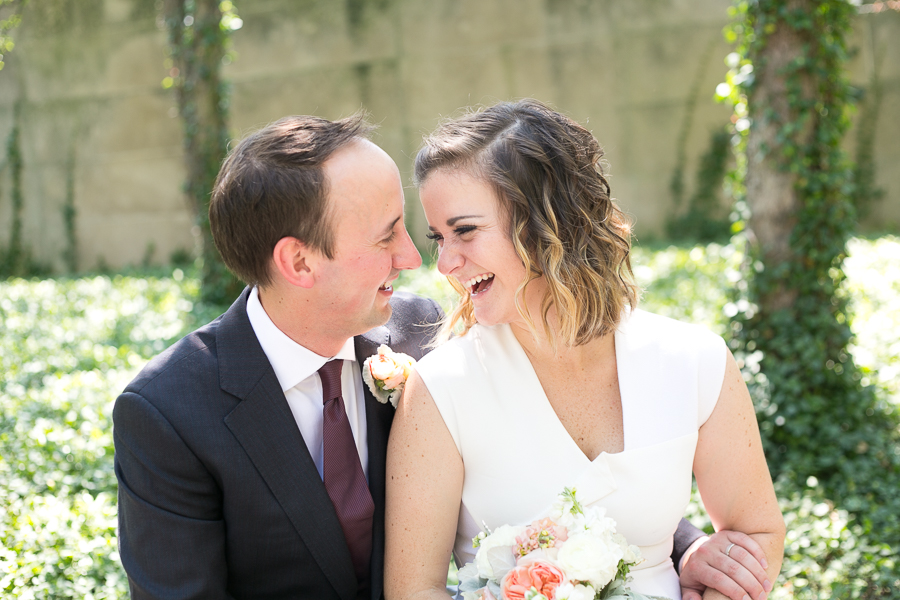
(472, 283)
(386, 287)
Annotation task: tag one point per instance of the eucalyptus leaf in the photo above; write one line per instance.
(502, 561)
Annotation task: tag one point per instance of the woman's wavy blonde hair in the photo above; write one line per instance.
(546, 171)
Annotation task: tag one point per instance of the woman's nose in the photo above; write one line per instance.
(448, 259)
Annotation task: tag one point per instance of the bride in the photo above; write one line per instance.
(558, 378)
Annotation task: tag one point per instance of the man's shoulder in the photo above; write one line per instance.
(412, 312)
(191, 357)
(414, 322)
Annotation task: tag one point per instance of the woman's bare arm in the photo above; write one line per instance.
(733, 478)
(424, 485)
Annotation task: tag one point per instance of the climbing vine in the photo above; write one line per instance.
(10, 18)
(866, 191)
(199, 40)
(14, 255)
(820, 425)
(70, 253)
(705, 220)
(702, 219)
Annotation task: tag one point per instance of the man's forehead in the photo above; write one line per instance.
(359, 154)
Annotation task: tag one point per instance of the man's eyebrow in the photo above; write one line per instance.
(452, 221)
(390, 227)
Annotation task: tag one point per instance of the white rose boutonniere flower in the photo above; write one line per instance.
(385, 373)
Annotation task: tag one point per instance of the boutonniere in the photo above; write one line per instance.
(386, 372)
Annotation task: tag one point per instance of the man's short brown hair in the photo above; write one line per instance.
(271, 186)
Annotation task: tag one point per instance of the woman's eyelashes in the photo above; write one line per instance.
(458, 231)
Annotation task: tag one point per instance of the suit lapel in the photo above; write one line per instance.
(378, 425)
(264, 426)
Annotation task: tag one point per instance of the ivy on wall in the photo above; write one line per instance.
(866, 191)
(701, 218)
(16, 259)
(13, 257)
(821, 427)
(199, 37)
(10, 18)
(704, 219)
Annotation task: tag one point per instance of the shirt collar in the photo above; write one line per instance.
(291, 362)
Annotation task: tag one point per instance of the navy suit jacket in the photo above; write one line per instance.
(218, 495)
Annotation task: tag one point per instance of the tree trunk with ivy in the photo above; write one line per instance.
(197, 45)
(816, 417)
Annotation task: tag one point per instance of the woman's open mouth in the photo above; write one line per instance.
(480, 283)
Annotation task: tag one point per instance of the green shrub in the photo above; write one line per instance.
(70, 345)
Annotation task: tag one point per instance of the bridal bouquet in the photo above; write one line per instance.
(574, 554)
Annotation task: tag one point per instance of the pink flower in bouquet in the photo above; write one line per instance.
(541, 576)
(541, 534)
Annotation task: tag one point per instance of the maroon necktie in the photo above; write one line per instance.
(343, 473)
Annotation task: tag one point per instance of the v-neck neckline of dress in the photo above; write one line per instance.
(539, 397)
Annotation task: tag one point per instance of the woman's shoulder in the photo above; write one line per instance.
(642, 328)
(452, 356)
(689, 358)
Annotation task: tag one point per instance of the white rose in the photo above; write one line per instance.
(596, 521)
(500, 538)
(567, 591)
(561, 512)
(633, 555)
(586, 557)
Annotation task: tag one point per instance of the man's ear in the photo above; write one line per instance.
(296, 261)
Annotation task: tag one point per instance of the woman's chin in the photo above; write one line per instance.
(488, 318)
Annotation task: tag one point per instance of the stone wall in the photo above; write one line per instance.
(99, 133)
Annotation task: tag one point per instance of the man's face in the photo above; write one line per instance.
(372, 246)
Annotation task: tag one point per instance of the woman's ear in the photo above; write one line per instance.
(296, 261)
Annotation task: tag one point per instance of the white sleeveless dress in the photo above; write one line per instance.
(518, 456)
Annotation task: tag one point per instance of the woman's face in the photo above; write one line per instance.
(465, 219)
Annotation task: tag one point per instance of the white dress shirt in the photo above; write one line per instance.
(297, 368)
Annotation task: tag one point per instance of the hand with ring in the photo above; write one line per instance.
(729, 562)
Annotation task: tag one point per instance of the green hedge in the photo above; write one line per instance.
(70, 345)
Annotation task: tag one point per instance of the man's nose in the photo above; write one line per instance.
(407, 255)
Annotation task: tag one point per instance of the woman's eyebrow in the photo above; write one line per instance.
(452, 221)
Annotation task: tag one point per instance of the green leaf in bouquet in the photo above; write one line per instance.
(502, 561)
(469, 581)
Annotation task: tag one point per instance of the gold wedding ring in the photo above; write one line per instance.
(728, 550)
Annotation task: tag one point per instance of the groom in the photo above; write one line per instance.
(250, 455)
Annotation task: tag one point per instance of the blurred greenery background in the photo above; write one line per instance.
(117, 113)
(70, 344)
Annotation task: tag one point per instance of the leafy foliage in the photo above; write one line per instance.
(818, 419)
(199, 44)
(10, 18)
(69, 346)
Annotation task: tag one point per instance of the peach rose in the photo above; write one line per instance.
(541, 576)
(386, 369)
(385, 374)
